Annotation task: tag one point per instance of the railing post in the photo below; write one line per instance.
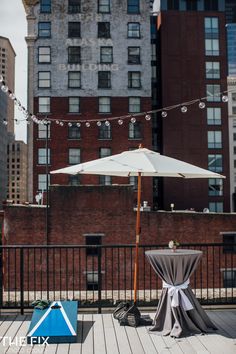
(1, 278)
(99, 280)
(22, 280)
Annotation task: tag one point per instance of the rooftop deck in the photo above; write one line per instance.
(98, 334)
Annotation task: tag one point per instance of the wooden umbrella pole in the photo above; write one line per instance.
(138, 231)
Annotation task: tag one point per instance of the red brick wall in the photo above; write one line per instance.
(76, 211)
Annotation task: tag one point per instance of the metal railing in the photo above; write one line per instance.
(101, 275)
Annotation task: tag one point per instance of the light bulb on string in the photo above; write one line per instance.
(61, 124)
(12, 96)
(184, 109)
(202, 105)
(1, 78)
(107, 123)
(17, 121)
(69, 124)
(78, 124)
(5, 122)
(148, 117)
(99, 123)
(120, 122)
(57, 122)
(87, 124)
(225, 98)
(164, 114)
(4, 88)
(27, 121)
(133, 120)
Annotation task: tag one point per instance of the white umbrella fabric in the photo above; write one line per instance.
(139, 162)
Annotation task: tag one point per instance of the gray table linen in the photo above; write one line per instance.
(175, 268)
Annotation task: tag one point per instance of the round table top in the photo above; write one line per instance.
(169, 252)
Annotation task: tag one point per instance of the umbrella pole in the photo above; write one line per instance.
(138, 230)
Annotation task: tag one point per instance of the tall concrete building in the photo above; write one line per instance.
(7, 72)
(17, 172)
(194, 65)
(88, 60)
(232, 140)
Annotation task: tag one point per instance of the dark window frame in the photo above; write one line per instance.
(74, 6)
(49, 29)
(104, 82)
(132, 7)
(44, 55)
(100, 5)
(45, 6)
(104, 32)
(130, 31)
(76, 31)
(131, 60)
(101, 55)
(74, 58)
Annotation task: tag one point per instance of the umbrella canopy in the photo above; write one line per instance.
(140, 162)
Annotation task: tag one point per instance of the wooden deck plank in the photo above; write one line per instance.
(223, 327)
(10, 334)
(76, 348)
(172, 345)
(135, 343)
(197, 345)
(159, 343)
(87, 335)
(109, 334)
(122, 339)
(5, 325)
(146, 340)
(21, 333)
(227, 320)
(98, 335)
(63, 348)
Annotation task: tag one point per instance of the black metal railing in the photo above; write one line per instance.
(101, 275)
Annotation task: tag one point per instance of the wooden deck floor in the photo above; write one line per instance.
(100, 334)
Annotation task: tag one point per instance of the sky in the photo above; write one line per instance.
(13, 25)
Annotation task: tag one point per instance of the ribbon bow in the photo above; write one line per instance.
(174, 291)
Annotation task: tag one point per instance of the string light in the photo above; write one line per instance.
(147, 115)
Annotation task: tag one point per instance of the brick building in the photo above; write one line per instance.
(87, 61)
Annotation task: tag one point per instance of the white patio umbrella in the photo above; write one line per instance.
(140, 162)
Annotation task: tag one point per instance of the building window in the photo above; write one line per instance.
(215, 162)
(135, 130)
(214, 139)
(211, 27)
(212, 70)
(105, 180)
(44, 29)
(42, 156)
(44, 55)
(74, 105)
(212, 47)
(229, 241)
(92, 281)
(74, 180)
(215, 187)
(134, 105)
(133, 30)
(229, 278)
(214, 116)
(191, 5)
(74, 79)
(74, 156)
(213, 93)
(74, 6)
(104, 79)
(104, 6)
(73, 29)
(133, 181)
(42, 131)
(44, 79)
(44, 105)
(173, 4)
(104, 105)
(74, 55)
(104, 131)
(216, 207)
(134, 79)
(104, 30)
(106, 55)
(133, 7)
(92, 240)
(133, 55)
(74, 131)
(211, 5)
(45, 6)
(42, 182)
